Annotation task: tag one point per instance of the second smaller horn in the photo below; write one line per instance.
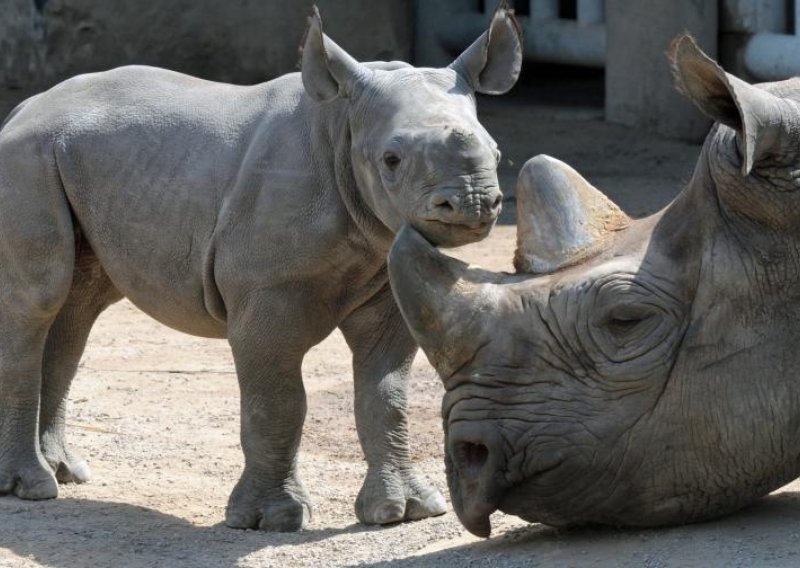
(561, 218)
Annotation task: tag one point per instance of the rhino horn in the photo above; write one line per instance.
(759, 117)
(443, 300)
(561, 218)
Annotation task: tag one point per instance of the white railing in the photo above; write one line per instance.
(772, 48)
(445, 27)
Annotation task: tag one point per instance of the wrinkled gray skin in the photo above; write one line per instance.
(258, 214)
(648, 374)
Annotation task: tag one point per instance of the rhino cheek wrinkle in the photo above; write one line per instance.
(262, 215)
(633, 371)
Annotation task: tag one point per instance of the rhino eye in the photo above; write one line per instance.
(391, 160)
(498, 156)
(624, 321)
(622, 325)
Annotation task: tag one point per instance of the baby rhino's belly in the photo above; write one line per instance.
(183, 312)
(149, 217)
(155, 250)
(163, 287)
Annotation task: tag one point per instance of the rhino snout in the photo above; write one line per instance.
(475, 476)
(473, 209)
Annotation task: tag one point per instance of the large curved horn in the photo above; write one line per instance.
(442, 300)
(561, 218)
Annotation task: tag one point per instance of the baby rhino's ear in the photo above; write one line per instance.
(763, 121)
(327, 70)
(492, 64)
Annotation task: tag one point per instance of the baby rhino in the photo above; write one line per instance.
(632, 372)
(258, 214)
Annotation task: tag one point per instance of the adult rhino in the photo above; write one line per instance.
(632, 372)
(259, 214)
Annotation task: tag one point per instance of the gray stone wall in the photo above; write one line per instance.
(240, 41)
(640, 90)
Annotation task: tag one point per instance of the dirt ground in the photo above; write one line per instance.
(155, 413)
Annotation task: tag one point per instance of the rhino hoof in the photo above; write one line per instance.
(75, 472)
(30, 483)
(432, 506)
(68, 466)
(391, 512)
(44, 488)
(388, 497)
(285, 520)
(285, 514)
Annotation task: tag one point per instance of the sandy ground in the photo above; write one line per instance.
(156, 414)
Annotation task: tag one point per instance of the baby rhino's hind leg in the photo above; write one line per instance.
(23, 470)
(36, 266)
(91, 293)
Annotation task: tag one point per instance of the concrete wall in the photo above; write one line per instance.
(241, 41)
(639, 86)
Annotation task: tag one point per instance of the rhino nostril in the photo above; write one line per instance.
(497, 201)
(472, 457)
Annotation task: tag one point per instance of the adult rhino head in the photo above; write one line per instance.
(632, 372)
(419, 155)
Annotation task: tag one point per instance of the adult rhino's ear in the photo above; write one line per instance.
(492, 64)
(561, 218)
(758, 116)
(328, 71)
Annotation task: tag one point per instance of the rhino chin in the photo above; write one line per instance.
(475, 518)
(472, 506)
(512, 506)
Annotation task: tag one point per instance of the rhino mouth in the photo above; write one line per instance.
(472, 507)
(453, 233)
(476, 226)
(474, 503)
(477, 519)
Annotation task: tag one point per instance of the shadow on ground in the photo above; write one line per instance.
(766, 534)
(82, 532)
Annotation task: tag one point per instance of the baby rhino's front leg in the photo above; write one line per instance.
(269, 335)
(383, 351)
